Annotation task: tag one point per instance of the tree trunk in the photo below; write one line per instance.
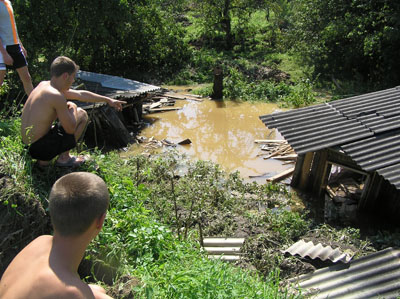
(226, 24)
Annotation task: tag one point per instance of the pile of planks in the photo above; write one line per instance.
(280, 150)
(164, 101)
(277, 149)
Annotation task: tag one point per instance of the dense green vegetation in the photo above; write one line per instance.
(270, 50)
(341, 47)
(149, 244)
(150, 231)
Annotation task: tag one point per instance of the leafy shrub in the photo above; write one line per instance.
(301, 95)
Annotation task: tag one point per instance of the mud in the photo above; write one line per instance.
(223, 132)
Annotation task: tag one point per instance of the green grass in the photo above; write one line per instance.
(140, 241)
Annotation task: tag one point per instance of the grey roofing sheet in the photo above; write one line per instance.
(366, 127)
(338, 122)
(373, 276)
(324, 253)
(114, 83)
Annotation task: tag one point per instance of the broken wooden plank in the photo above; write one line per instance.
(330, 191)
(281, 175)
(286, 157)
(181, 97)
(269, 141)
(164, 109)
(193, 95)
(155, 105)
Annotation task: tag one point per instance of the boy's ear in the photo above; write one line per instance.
(100, 221)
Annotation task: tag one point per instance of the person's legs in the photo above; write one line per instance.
(82, 119)
(26, 79)
(3, 70)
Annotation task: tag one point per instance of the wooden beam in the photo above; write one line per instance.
(164, 109)
(305, 170)
(269, 141)
(281, 175)
(297, 171)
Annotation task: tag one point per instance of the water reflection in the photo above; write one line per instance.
(221, 131)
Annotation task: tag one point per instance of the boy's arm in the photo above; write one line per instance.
(91, 97)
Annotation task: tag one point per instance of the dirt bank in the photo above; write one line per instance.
(21, 220)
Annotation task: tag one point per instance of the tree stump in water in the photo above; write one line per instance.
(218, 83)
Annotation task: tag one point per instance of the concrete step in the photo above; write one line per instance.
(223, 250)
(223, 242)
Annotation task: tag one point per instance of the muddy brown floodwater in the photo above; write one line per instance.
(222, 132)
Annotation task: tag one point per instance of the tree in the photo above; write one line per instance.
(349, 39)
(216, 18)
(119, 37)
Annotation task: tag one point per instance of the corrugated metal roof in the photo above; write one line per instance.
(113, 85)
(373, 276)
(366, 127)
(324, 253)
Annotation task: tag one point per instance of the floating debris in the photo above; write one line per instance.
(185, 141)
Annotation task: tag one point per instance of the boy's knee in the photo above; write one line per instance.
(82, 114)
(72, 104)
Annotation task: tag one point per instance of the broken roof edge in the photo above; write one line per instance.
(115, 82)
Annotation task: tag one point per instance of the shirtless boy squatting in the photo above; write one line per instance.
(48, 266)
(47, 103)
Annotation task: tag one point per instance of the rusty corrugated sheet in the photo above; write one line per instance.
(366, 127)
(324, 253)
(373, 276)
(113, 85)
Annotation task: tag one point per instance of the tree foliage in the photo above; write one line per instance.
(119, 37)
(356, 39)
(225, 22)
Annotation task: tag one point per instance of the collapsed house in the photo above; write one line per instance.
(107, 126)
(348, 150)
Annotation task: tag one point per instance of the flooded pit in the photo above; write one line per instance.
(220, 131)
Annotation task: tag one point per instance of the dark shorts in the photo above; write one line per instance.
(17, 55)
(55, 142)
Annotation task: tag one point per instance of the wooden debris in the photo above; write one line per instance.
(281, 175)
(182, 97)
(286, 157)
(185, 141)
(164, 109)
(269, 141)
(155, 105)
(277, 149)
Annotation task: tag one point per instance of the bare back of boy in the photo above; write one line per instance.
(40, 112)
(38, 272)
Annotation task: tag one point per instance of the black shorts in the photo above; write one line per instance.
(55, 142)
(17, 55)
